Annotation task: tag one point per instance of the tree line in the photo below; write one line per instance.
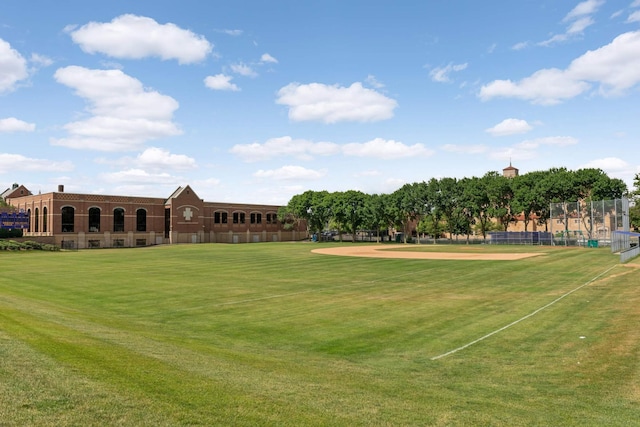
(457, 207)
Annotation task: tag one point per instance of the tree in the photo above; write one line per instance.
(500, 195)
(527, 197)
(405, 205)
(349, 209)
(310, 206)
(475, 203)
(375, 215)
(558, 188)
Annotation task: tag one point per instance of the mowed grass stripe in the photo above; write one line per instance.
(347, 343)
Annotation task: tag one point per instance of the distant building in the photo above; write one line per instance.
(94, 220)
(15, 191)
(510, 171)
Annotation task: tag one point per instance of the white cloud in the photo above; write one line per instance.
(531, 148)
(220, 82)
(206, 183)
(634, 17)
(135, 37)
(442, 74)
(331, 104)
(608, 164)
(385, 149)
(520, 46)
(578, 26)
(612, 66)
(284, 146)
(137, 177)
(465, 149)
(367, 173)
(40, 60)
(8, 164)
(587, 7)
(13, 67)
(578, 19)
(557, 38)
(546, 87)
(11, 124)
(268, 58)
(558, 141)
(306, 150)
(291, 173)
(512, 153)
(243, 70)
(159, 159)
(616, 14)
(124, 115)
(373, 82)
(510, 127)
(233, 33)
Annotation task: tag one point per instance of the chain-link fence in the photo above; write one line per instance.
(588, 223)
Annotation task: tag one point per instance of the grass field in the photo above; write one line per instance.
(271, 334)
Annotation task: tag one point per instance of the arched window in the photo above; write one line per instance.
(238, 217)
(256, 218)
(36, 220)
(44, 219)
(141, 220)
(118, 219)
(68, 219)
(30, 219)
(220, 217)
(94, 220)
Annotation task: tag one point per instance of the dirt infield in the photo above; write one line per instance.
(383, 252)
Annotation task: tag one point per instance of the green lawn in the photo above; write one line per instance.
(271, 334)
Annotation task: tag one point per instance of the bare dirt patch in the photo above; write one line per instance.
(384, 252)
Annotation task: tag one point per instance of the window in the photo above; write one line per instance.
(220, 217)
(238, 217)
(30, 219)
(68, 214)
(141, 220)
(256, 218)
(44, 219)
(118, 219)
(272, 218)
(167, 222)
(36, 220)
(94, 220)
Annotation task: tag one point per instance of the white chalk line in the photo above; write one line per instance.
(522, 318)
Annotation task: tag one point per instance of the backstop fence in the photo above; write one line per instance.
(588, 223)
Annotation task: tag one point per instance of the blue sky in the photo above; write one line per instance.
(256, 101)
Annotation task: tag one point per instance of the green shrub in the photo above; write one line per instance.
(9, 245)
(4, 233)
(30, 244)
(12, 245)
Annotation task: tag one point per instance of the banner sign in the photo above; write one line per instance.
(14, 220)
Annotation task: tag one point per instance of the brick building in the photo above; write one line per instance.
(94, 220)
